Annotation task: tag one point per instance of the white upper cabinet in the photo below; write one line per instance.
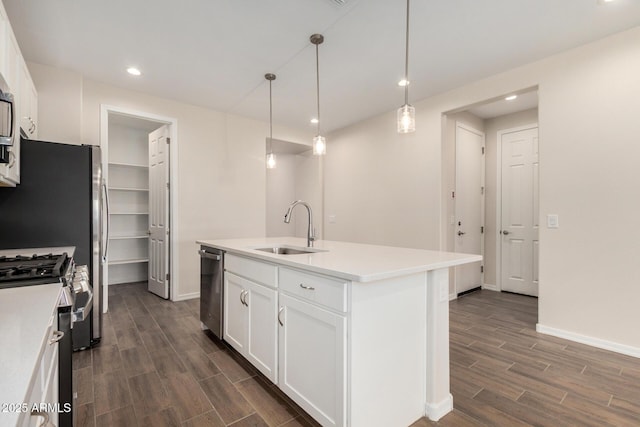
(15, 72)
(28, 102)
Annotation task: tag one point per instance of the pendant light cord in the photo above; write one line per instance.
(270, 120)
(406, 61)
(318, 87)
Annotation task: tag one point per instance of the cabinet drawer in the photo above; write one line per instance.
(260, 272)
(322, 290)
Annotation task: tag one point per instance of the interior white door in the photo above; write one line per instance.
(469, 204)
(519, 212)
(159, 212)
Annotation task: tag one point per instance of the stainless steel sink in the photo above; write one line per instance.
(288, 250)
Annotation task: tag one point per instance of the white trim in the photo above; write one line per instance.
(453, 296)
(105, 110)
(490, 287)
(436, 411)
(498, 254)
(594, 342)
(184, 297)
(483, 173)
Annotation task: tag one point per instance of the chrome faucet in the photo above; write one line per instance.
(311, 232)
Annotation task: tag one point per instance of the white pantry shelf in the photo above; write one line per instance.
(128, 189)
(127, 165)
(130, 236)
(128, 261)
(128, 213)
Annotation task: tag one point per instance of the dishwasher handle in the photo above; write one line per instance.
(208, 255)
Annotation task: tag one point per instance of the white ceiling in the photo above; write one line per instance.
(214, 53)
(500, 107)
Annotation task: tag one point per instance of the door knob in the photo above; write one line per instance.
(460, 233)
(505, 232)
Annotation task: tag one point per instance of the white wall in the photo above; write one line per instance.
(221, 173)
(589, 102)
(281, 191)
(59, 103)
(296, 177)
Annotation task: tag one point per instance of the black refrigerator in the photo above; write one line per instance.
(59, 202)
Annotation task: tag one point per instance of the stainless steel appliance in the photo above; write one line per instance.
(59, 202)
(7, 122)
(17, 268)
(211, 289)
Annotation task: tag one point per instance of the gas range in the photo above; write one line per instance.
(36, 269)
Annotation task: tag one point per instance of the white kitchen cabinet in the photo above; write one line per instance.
(250, 311)
(312, 359)
(17, 76)
(44, 388)
(10, 172)
(28, 102)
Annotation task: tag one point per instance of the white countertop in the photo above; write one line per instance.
(25, 313)
(352, 261)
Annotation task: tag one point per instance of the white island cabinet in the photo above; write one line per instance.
(357, 335)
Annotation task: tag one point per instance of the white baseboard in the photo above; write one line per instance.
(438, 410)
(490, 287)
(183, 297)
(594, 342)
(452, 297)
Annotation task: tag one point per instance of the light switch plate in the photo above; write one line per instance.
(332, 219)
(552, 221)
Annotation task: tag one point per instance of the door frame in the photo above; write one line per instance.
(499, 197)
(105, 110)
(483, 184)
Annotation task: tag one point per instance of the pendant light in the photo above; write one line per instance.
(271, 158)
(406, 113)
(319, 142)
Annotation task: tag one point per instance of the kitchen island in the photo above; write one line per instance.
(357, 335)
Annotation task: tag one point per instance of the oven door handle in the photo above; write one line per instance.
(83, 312)
(209, 255)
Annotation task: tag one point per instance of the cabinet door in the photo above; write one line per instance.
(312, 359)
(10, 173)
(235, 313)
(262, 349)
(27, 102)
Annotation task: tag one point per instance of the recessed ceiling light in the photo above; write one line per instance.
(404, 82)
(314, 121)
(605, 1)
(511, 97)
(133, 71)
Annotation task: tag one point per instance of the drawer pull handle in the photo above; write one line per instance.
(310, 288)
(45, 418)
(279, 318)
(57, 336)
(243, 298)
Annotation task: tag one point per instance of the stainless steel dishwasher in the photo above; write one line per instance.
(211, 289)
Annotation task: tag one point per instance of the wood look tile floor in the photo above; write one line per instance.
(155, 367)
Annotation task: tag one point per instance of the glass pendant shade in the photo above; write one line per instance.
(406, 119)
(319, 142)
(271, 161)
(319, 146)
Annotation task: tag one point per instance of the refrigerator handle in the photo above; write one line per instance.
(106, 199)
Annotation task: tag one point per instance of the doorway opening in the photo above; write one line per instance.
(505, 260)
(140, 180)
